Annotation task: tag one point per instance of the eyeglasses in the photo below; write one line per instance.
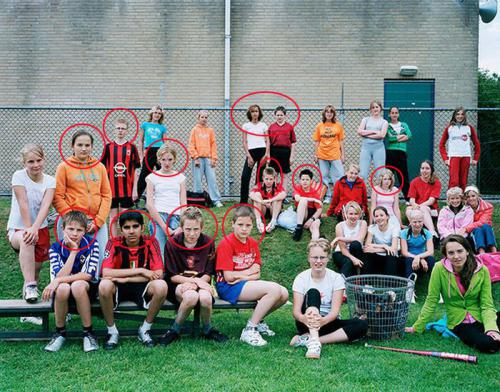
(318, 258)
(120, 129)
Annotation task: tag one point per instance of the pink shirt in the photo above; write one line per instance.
(468, 317)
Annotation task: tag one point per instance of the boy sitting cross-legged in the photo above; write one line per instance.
(238, 277)
(132, 270)
(189, 272)
(268, 197)
(73, 273)
(308, 205)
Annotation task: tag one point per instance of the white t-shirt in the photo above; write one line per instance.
(256, 141)
(167, 191)
(384, 237)
(35, 192)
(330, 283)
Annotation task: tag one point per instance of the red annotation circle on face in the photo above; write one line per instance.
(231, 112)
(166, 139)
(125, 110)
(212, 239)
(61, 242)
(94, 128)
(247, 205)
(298, 187)
(259, 168)
(390, 168)
(146, 243)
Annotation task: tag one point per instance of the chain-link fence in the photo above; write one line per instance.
(23, 125)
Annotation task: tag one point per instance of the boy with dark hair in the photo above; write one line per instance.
(190, 264)
(308, 206)
(121, 160)
(132, 270)
(268, 197)
(73, 274)
(238, 277)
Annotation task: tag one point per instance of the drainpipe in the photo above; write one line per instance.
(227, 96)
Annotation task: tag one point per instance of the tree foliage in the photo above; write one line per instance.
(488, 124)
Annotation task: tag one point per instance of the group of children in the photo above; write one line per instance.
(178, 262)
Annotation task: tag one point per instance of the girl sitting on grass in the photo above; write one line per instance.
(481, 228)
(417, 247)
(464, 283)
(382, 244)
(455, 216)
(317, 298)
(349, 237)
(387, 195)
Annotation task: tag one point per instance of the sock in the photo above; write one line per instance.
(113, 330)
(61, 331)
(176, 327)
(251, 325)
(146, 326)
(87, 330)
(207, 328)
(32, 283)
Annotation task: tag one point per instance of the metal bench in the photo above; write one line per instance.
(19, 308)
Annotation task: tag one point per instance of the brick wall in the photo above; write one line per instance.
(136, 53)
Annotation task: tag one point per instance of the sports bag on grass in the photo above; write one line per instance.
(200, 198)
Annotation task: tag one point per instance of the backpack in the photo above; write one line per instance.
(200, 198)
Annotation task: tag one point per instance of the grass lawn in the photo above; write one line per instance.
(205, 366)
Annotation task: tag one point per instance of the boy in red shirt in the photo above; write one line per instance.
(190, 264)
(238, 277)
(132, 270)
(308, 205)
(121, 160)
(268, 197)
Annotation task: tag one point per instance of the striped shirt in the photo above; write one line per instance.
(121, 161)
(86, 259)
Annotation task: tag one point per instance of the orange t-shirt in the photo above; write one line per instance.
(329, 136)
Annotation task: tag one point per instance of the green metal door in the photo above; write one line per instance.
(413, 94)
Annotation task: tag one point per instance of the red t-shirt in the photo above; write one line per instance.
(312, 193)
(265, 194)
(234, 255)
(120, 257)
(282, 135)
(421, 191)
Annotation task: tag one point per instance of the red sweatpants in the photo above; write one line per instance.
(459, 171)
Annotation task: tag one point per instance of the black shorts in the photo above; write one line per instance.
(93, 291)
(133, 291)
(123, 202)
(282, 155)
(310, 213)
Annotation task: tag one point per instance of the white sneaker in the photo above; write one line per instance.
(300, 341)
(31, 293)
(327, 200)
(260, 227)
(264, 329)
(252, 337)
(56, 343)
(90, 343)
(313, 349)
(218, 204)
(32, 320)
